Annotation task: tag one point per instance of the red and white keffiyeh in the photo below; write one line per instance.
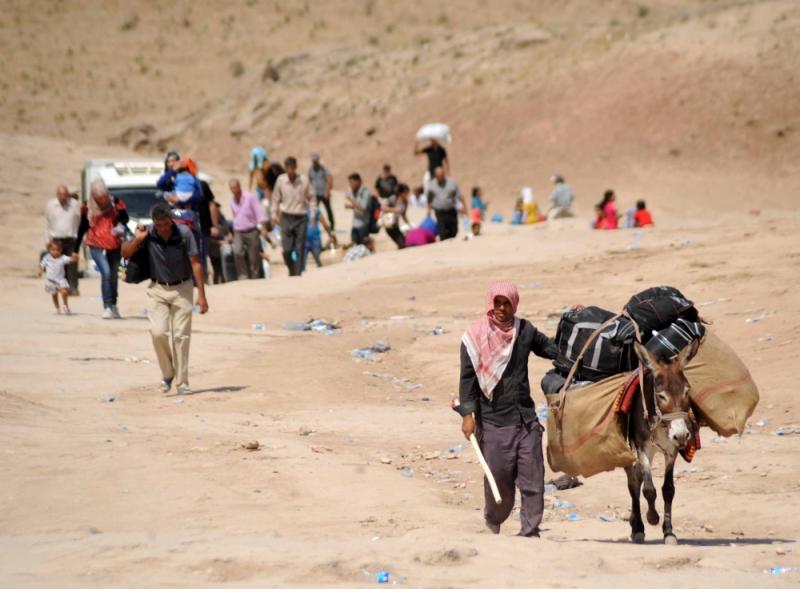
(489, 343)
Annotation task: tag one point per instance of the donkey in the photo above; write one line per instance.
(659, 420)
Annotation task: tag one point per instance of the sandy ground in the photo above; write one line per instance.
(693, 106)
(152, 490)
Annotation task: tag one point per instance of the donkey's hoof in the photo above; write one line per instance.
(637, 538)
(670, 540)
(652, 518)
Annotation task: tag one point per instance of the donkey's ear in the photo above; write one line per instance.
(688, 353)
(645, 357)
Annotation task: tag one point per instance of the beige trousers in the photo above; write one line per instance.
(169, 309)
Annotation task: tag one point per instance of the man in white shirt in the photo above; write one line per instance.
(62, 219)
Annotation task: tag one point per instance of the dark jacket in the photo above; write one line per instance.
(511, 400)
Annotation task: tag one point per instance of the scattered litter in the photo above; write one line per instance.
(574, 517)
(565, 482)
(178, 401)
(109, 399)
(496, 218)
(606, 518)
(455, 449)
(691, 469)
(761, 422)
(755, 319)
(786, 430)
(432, 331)
(356, 253)
(633, 246)
(407, 472)
(766, 338)
(322, 326)
(318, 325)
(305, 431)
(254, 445)
(259, 327)
(371, 352)
(718, 440)
(549, 489)
(195, 309)
(396, 380)
(382, 577)
(542, 415)
(400, 317)
(385, 460)
(782, 570)
(707, 303)
(559, 504)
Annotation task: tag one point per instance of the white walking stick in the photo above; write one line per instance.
(475, 446)
(486, 471)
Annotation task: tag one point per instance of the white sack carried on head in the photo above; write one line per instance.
(438, 131)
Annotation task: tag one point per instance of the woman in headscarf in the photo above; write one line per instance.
(107, 218)
(166, 183)
(495, 392)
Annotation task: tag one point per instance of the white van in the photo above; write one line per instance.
(133, 181)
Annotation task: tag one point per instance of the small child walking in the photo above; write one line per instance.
(53, 265)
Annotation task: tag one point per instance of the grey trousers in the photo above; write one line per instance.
(293, 240)
(247, 253)
(514, 455)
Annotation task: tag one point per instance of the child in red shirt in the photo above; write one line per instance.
(642, 218)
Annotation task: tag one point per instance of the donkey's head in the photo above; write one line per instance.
(671, 389)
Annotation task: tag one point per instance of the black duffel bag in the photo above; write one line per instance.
(668, 343)
(659, 307)
(137, 268)
(611, 351)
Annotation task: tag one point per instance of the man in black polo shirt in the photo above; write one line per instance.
(437, 158)
(174, 259)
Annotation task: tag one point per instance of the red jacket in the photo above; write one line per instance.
(100, 231)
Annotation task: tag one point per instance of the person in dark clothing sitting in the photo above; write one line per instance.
(495, 394)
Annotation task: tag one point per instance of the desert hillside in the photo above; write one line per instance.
(650, 98)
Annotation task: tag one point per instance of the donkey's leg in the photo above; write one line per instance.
(649, 488)
(634, 475)
(668, 491)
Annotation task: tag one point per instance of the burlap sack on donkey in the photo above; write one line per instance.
(589, 437)
(722, 389)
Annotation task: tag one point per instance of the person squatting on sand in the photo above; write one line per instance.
(173, 258)
(495, 398)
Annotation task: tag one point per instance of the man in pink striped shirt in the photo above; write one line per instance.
(248, 217)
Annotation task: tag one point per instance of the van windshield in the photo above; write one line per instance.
(138, 200)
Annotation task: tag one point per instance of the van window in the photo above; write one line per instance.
(138, 200)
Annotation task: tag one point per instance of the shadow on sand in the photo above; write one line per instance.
(228, 389)
(738, 540)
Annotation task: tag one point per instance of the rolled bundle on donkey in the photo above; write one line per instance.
(630, 384)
